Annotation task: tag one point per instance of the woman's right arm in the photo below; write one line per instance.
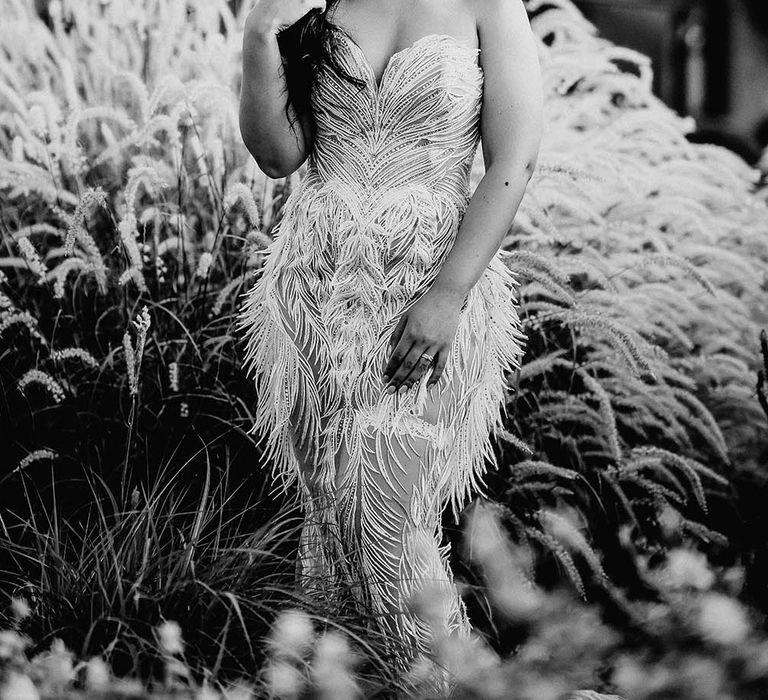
(264, 125)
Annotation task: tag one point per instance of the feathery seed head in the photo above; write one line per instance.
(45, 381)
(32, 258)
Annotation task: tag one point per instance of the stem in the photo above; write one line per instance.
(128, 442)
(762, 374)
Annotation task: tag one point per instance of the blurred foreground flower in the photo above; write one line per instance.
(289, 643)
(12, 646)
(97, 674)
(20, 609)
(687, 568)
(292, 634)
(17, 686)
(333, 669)
(53, 670)
(722, 620)
(169, 637)
(503, 566)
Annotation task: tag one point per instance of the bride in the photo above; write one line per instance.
(383, 330)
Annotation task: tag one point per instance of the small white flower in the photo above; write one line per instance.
(238, 691)
(173, 376)
(722, 620)
(669, 520)
(20, 608)
(629, 676)
(687, 568)
(503, 566)
(473, 663)
(331, 670)
(757, 661)
(169, 637)
(55, 9)
(284, 680)
(97, 675)
(56, 666)
(205, 692)
(484, 532)
(703, 677)
(292, 633)
(734, 578)
(12, 645)
(18, 687)
(204, 265)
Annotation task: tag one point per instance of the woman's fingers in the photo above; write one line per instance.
(439, 368)
(399, 353)
(397, 333)
(395, 355)
(422, 365)
(406, 364)
(400, 377)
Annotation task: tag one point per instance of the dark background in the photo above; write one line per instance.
(710, 59)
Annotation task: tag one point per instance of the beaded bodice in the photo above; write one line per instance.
(417, 126)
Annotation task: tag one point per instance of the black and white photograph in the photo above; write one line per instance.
(384, 349)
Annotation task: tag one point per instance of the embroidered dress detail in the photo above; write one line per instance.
(361, 238)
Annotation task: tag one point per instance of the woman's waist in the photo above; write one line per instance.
(328, 222)
(361, 193)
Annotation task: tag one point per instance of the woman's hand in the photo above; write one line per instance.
(273, 16)
(429, 326)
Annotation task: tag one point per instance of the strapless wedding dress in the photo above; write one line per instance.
(362, 236)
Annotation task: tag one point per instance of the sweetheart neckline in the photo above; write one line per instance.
(380, 84)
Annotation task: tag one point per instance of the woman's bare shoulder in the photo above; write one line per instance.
(489, 12)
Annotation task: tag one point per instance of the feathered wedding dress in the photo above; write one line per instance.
(362, 235)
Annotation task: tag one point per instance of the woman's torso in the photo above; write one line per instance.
(386, 187)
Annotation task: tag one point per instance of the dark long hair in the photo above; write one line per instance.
(306, 46)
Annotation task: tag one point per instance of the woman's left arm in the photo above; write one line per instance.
(511, 126)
